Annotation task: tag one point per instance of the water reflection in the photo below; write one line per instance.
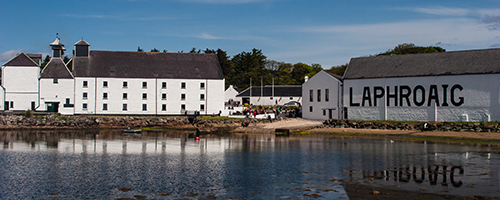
(110, 164)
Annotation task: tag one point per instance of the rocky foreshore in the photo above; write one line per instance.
(88, 122)
(425, 126)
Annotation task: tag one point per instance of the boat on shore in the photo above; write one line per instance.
(132, 131)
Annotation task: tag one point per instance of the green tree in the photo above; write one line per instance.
(45, 61)
(155, 50)
(139, 49)
(410, 48)
(338, 70)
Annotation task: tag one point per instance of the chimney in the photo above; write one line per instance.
(306, 79)
(82, 49)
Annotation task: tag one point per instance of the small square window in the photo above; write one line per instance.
(163, 85)
(291, 98)
(67, 100)
(310, 108)
(124, 106)
(327, 95)
(202, 85)
(12, 104)
(125, 84)
(183, 97)
(104, 106)
(85, 96)
(202, 97)
(125, 96)
(85, 84)
(144, 84)
(163, 107)
(183, 85)
(311, 95)
(319, 95)
(202, 107)
(144, 96)
(164, 96)
(324, 112)
(104, 96)
(105, 84)
(84, 106)
(183, 107)
(55, 80)
(271, 98)
(144, 107)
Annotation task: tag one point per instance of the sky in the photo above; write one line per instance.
(326, 32)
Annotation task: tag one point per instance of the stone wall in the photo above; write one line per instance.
(427, 126)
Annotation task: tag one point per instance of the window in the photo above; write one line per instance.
(324, 112)
(85, 84)
(84, 106)
(124, 96)
(164, 96)
(202, 85)
(183, 107)
(55, 80)
(105, 84)
(124, 107)
(144, 84)
(310, 108)
(163, 107)
(311, 95)
(271, 98)
(183, 85)
(202, 107)
(144, 96)
(327, 95)
(291, 98)
(144, 107)
(104, 96)
(67, 100)
(202, 97)
(12, 104)
(104, 106)
(163, 85)
(85, 95)
(319, 95)
(125, 84)
(183, 97)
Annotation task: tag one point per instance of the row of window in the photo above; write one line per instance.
(144, 107)
(318, 95)
(144, 96)
(125, 84)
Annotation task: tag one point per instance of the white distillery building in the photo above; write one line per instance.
(19, 83)
(448, 86)
(120, 83)
(271, 95)
(321, 97)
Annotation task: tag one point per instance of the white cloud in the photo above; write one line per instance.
(209, 37)
(5, 56)
(228, 1)
(444, 11)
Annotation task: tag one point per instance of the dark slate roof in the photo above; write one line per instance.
(82, 43)
(486, 61)
(121, 64)
(21, 60)
(335, 76)
(279, 90)
(56, 69)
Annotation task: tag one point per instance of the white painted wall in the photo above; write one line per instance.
(320, 109)
(480, 93)
(57, 92)
(267, 101)
(230, 94)
(213, 92)
(21, 86)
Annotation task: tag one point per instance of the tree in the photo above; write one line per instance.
(155, 50)
(338, 70)
(139, 49)
(410, 48)
(45, 61)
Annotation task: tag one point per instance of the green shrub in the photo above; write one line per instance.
(28, 114)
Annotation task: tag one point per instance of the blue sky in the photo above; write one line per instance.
(328, 32)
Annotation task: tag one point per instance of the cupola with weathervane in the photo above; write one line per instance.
(57, 48)
(82, 48)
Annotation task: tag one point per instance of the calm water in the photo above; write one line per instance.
(174, 165)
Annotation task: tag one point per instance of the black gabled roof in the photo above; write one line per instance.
(122, 64)
(335, 76)
(56, 69)
(21, 60)
(279, 90)
(486, 61)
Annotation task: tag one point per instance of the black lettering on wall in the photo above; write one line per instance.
(404, 95)
(350, 98)
(366, 96)
(433, 95)
(445, 95)
(378, 92)
(394, 96)
(452, 92)
(415, 96)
